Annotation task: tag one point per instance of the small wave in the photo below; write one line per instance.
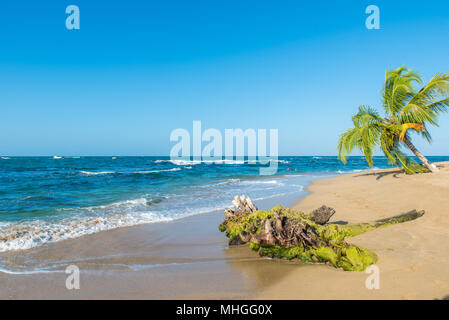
(293, 175)
(184, 162)
(300, 189)
(57, 157)
(156, 171)
(27, 272)
(96, 173)
(29, 234)
(356, 170)
(229, 181)
(224, 161)
(120, 204)
(250, 182)
(89, 173)
(76, 157)
(222, 183)
(5, 158)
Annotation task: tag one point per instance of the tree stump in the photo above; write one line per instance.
(322, 214)
(291, 234)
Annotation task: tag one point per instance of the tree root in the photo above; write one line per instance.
(287, 233)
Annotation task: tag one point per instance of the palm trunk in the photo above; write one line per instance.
(426, 163)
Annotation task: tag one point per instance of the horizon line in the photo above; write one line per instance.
(54, 155)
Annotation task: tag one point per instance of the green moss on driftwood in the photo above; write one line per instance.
(292, 234)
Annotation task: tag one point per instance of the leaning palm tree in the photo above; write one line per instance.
(406, 110)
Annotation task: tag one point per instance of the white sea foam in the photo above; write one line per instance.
(184, 162)
(356, 170)
(261, 182)
(156, 171)
(224, 161)
(222, 183)
(89, 173)
(27, 272)
(178, 162)
(96, 173)
(57, 157)
(29, 234)
(5, 158)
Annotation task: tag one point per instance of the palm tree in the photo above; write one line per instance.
(406, 110)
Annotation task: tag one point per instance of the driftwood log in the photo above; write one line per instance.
(242, 204)
(287, 233)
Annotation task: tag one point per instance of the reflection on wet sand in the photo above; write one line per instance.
(188, 258)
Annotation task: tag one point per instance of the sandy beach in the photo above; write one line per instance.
(413, 257)
(189, 258)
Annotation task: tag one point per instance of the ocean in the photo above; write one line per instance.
(48, 199)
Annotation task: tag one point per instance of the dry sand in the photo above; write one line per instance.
(413, 256)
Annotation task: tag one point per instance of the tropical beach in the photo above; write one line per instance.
(224, 150)
(413, 259)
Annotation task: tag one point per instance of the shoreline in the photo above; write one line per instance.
(190, 259)
(182, 259)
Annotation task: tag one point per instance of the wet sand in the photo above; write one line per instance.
(187, 258)
(190, 259)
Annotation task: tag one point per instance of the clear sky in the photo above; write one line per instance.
(136, 70)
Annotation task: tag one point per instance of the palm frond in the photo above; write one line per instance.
(440, 106)
(364, 136)
(417, 114)
(398, 89)
(387, 144)
(346, 143)
(427, 99)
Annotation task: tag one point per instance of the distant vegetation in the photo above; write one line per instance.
(407, 109)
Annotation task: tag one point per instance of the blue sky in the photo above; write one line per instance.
(136, 70)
